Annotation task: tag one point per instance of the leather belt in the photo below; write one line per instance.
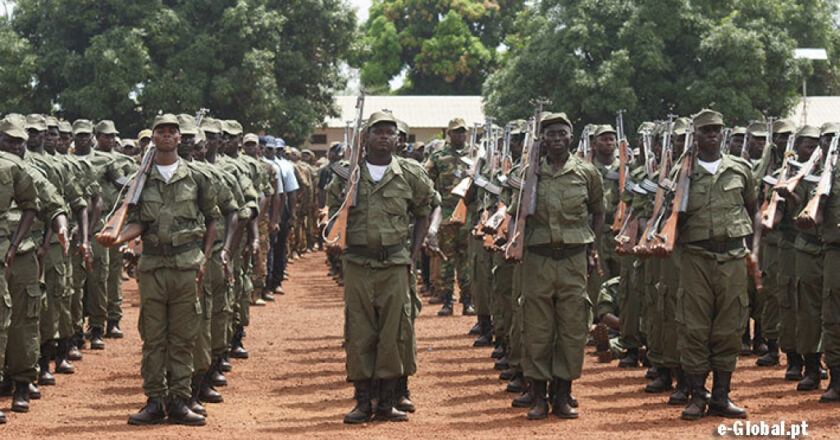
(167, 250)
(381, 254)
(720, 246)
(557, 252)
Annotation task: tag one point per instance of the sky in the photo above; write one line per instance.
(361, 8)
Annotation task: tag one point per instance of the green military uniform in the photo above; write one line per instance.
(608, 300)
(637, 278)
(482, 263)
(127, 167)
(830, 317)
(786, 280)
(172, 214)
(610, 263)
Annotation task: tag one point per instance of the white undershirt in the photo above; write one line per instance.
(83, 157)
(376, 171)
(753, 161)
(167, 171)
(711, 167)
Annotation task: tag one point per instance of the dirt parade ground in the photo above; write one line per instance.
(293, 385)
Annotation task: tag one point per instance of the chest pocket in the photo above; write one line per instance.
(698, 194)
(6, 188)
(151, 204)
(395, 200)
(186, 197)
(571, 200)
(733, 189)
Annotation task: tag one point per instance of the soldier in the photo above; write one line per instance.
(607, 346)
(379, 335)
(605, 160)
(250, 148)
(176, 216)
(304, 205)
(446, 169)
(555, 305)
(713, 299)
(308, 159)
(18, 189)
(737, 141)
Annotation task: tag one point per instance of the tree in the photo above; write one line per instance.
(443, 46)
(654, 57)
(272, 64)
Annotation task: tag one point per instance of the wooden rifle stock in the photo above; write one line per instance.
(623, 147)
(459, 215)
(111, 231)
(336, 236)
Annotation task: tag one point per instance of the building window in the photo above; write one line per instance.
(412, 138)
(318, 139)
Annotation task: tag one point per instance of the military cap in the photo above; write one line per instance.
(808, 131)
(707, 117)
(211, 125)
(81, 126)
(200, 137)
(336, 147)
(784, 126)
(830, 128)
(52, 121)
(757, 129)
(231, 126)
(251, 137)
(456, 123)
(549, 118)
(680, 126)
(307, 151)
(35, 122)
(604, 129)
(294, 150)
(127, 143)
(402, 127)
(166, 119)
(646, 126)
(145, 133)
(377, 117)
(739, 131)
(187, 124)
(518, 126)
(14, 128)
(105, 126)
(64, 127)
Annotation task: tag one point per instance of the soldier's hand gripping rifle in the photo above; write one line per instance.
(336, 232)
(650, 235)
(624, 164)
(495, 227)
(764, 169)
(811, 215)
(527, 195)
(109, 235)
(785, 183)
(459, 215)
(668, 235)
(627, 236)
(485, 181)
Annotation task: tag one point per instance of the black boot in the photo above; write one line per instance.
(446, 310)
(96, 341)
(502, 364)
(20, 400)
(499, 351)
(681, 391)
(62, 364)
(178, 413)
(237, 350)
(696, 407)
(113, 330)
(516, 384)
(526, 399)
(475, 330)
(561, 403)
(216, 378)
(811, 379)
(469, 309)
(44, 375)
(194, 403)
(721, 405)
(539, 407)
(385, 410)
(832, 394)
(745, 342)
(630, 359)
(403, 401)
(224, 363)
(439, 298)
(207, 393)
(6, 386)
(363, 410)
(771, 358)
(794, 367)
(485, 338)
(759, 345)
(73, 353)
(662, 383)
(151, 414)
(34, 391)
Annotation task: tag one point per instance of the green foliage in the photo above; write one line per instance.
(654, 57)
(272, 64)
(444, 46)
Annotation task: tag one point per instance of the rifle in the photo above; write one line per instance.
(337, 234)
(507, 160)
(527, 195)
(111, 231)
(680, 200)
(459, 215)
(624, 164)
(770, 209)
(651, 232)
(584, 151)
(753, 268)
(491, 143)
(745, 150)
(724, 140)
(812, 209)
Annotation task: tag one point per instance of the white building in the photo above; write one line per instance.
(816, 110)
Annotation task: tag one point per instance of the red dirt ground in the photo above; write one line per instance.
(293, 386)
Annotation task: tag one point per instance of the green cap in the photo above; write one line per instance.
(307, 151)
(378, 117)
(166, 119)
(105, 126)
(200, 137)
(187, 123)
(518, 126)
(250, 137)
(52, 121)
(784, 126)
(549, 118)
(646, 126)
(604, 129)
(211, 125)
(830, 128)
(82, 126)
(65, 127)
(757, 129)
(739, 131)
(680, 126)
(456, 124)
(808, 131)
(13, 127)
(231, 126)
(145, 133)
(402, 127)
(707, 117)
(36, 122)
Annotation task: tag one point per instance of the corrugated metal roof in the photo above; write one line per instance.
(416, 111)
(820, 109)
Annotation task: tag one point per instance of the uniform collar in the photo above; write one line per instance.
(180, 172)
(546, 169)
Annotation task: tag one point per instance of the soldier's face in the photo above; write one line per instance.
(250, 148)
(51, 139)
(756, 145)
(187, 145)
(166, 137)
(382, 138)
(83, 141)
(458, 137)
(825, 141)
(12, 145)
(106, 142)
(36, 138)
(200, 151)
(144, 143)
(736, 144)
(605, 144)
(64, 143)
(781, 139)
(708, 137)
(805, 148)
(556, 138)
(516, 146)
(677, 145)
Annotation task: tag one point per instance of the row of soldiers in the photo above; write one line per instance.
(64, 185)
